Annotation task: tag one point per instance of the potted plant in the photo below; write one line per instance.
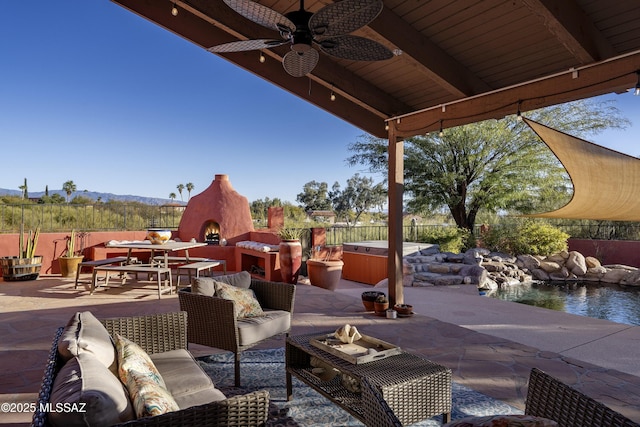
(324, 272)
(290, 251)
(71, 258)
(26, 266)
(369, 298)
(381, 305)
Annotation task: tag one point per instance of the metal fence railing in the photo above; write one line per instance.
(137, 216)
(89, 217)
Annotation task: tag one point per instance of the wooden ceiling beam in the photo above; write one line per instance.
(429, 58)
(572, 27)
(614, 75)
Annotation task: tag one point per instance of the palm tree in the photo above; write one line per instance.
(172, 196)
(68, 187)
(180, 187)
(190, 187)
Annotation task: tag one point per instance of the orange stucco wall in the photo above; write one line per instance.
(52, 245)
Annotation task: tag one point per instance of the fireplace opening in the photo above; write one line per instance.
(212, 233)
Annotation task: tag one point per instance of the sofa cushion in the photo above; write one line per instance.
(239, 280)
(85, 333)
(246, 304)
(186, 381)
(147, 388)
(255, 329)
(85, 380)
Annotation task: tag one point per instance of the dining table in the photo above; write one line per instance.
(165, 248)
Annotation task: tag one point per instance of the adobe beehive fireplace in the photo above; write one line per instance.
(218, 213)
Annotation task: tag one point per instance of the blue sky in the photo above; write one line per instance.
(91, 92)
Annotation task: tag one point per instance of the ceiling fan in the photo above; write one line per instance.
(328, 28)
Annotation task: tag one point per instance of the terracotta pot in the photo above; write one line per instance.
(324, 274)
(381, 307)
(290, 260)
(369, 297)
(15, 268)
(69, 265)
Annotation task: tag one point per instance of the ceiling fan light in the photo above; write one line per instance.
(300, 47)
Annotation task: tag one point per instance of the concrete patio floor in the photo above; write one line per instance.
(490, 345)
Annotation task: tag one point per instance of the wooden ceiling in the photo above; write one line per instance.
(460, 62)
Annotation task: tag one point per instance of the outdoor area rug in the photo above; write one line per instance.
(265, 369)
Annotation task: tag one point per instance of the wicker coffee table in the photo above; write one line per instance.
(413, 387)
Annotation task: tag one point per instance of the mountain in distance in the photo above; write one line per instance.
(94, 195)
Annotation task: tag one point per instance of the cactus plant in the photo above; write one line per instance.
(27, 248)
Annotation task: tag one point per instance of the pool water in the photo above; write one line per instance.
(608, 302)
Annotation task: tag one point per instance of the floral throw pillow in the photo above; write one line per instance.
(246, 304)
(503, 421)
(145, 385)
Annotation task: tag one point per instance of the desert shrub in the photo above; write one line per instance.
(450, 239)
(525, 237)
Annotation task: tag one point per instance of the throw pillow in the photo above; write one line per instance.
(149, 398)
(503, 421)
(245, 302)
(146, 386)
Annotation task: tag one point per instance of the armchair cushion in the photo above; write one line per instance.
(245, 302)
(255, 329)
(239, 280)
(203, 286)
(206, 285)
(85, 380)
(85, 334)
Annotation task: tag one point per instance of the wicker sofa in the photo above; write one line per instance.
(213, 321)
(164, 338)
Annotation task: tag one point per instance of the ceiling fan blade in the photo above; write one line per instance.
(299, 64)
(355, 48)
(261, 14)
(344, 17)
(244, 45)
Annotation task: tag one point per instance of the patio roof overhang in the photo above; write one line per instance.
(460, 62)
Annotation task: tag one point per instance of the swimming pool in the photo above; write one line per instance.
(609, 302)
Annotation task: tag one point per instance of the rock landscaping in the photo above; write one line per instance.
(490, 270)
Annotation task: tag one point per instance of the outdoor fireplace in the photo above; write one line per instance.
(216, 215)
(211, 233)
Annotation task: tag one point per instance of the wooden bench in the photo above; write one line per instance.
(178, 259)
(149, 269)
(208, 264)
(97, 263)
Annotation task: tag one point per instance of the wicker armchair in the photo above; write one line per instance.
(155, 334)
(550, 398)
(212, 321)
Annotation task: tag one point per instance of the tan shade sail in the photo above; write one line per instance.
(606, 183)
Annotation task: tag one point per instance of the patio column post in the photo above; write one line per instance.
(396, 187)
